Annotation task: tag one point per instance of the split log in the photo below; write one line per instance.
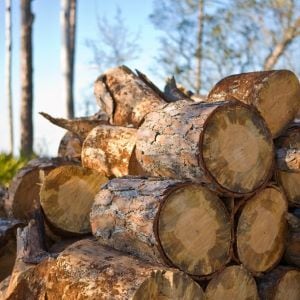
(25, 187)
(66, 196)
(288, 163)
(70, 146)
(292, 250)
(80, 126)
(276, 95)
(110, 151)
(283, 283)
(261, 230)
(234, 282)
(224, 144)
(125, 97)
(8, 228)
(164, 221)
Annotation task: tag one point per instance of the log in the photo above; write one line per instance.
(3, 287)
(25, 187)
(234, 282)
(3, 196)
(276, 95)
(86, 270)
(125, 97)
(225, 145)
(110, 151)
(173, 93)
(292, 250)
(280, 284)
(70, 146)
(8, 228)
(66, 197)
(169, 222)
(261, 230)
(288, 163)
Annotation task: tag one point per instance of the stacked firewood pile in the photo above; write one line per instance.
(182, 194)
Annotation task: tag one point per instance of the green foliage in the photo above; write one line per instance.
(9, 166)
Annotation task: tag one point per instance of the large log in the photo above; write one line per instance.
(261, 230)
(288, 163)
(283, 283)
(126, 97)
(25, 187)
(66, 196)
(276, 95)
(234, 282)
(164, 221)
(224, 144)
(110, 150)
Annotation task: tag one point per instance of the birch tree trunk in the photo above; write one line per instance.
(26, 78)
(8, 44)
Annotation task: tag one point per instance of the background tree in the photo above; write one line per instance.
(26, 78)
(68, 27)
(115, 45)
(8, 71)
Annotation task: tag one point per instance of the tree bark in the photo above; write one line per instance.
(209, 143)
(280, 284)
(276, 95)
(8, 71)
(262, 230)
(110, 151)
(125, 97)
(170, 222)
(26, 78)
(234, 282)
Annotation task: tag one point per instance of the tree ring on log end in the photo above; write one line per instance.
(288, 287)
(237, 148)
(194, 230)
(261, 230)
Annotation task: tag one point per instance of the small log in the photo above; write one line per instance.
(66, 196)
(164, 221)
(224, 144)
(262, 230)
(283, 283)
(172, 93)
(80, 126)
(276, 95)
(234, 282)
(25, 187)
(125, 97)
(110, 151)
(70, 146)
(292, 250)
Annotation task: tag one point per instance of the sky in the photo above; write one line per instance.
(47, 76)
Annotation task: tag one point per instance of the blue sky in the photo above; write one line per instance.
(47, 72)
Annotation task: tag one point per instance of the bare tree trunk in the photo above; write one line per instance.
(8, 71)
(199, 46)
(68, 22)
(26, 78)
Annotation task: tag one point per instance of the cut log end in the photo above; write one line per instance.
(237, 149)
(194, 230)
(290, 184)
(234, 282)
(67, 195)
(261, 230)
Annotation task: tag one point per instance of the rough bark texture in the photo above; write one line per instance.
(164, 221)
(70, 146)
(261, 230)
(292, 250)
(288, 163)
(110, 150)
(26, 79)
(234, 282)
(8, 228)
(25, 187)
(276, 95)
(125, 97)
(280, 284)
(66, 196)
(224, 144)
